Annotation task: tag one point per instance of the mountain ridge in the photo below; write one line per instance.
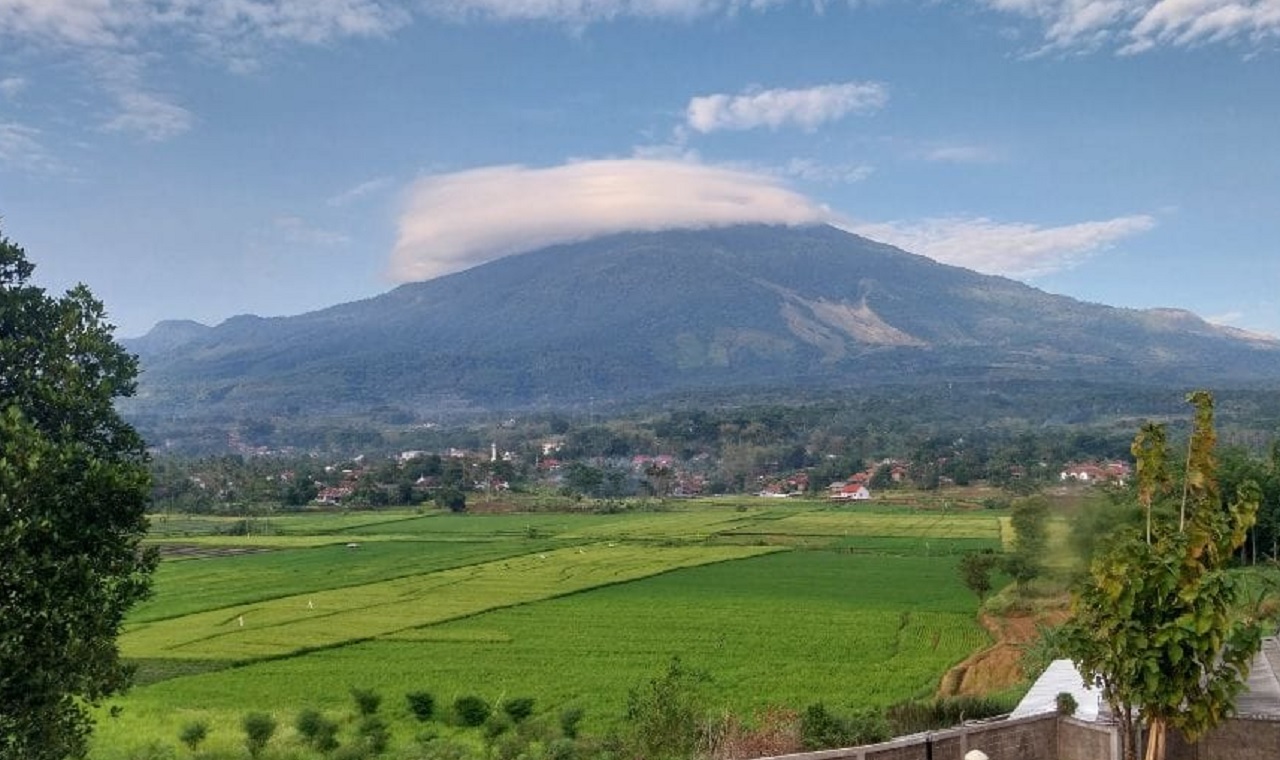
(632, 314)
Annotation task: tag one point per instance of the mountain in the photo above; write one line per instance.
(639, 314)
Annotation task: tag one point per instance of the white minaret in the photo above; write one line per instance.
(493, 451)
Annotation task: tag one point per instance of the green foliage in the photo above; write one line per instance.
(1065, 703)
(73, 491)
(193, 734)
(912, 716)
(258, 729)
(375, 736)
(822, 729)
(1155, 624)
(452, 499)
(570, 720)
(1029, 517)
(471, 711)
(518, 708)
(975, 571)
(496, 725)
(665, 714)
(317, 730)
(422, 704)
(367, 700)
(1049, 644)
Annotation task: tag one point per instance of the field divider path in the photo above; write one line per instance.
(329, 618)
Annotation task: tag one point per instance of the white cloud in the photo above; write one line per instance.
(1012, 249)
(11, 86)
(806, 108)
(1130, 25)
(455, 221)
(814, 171)
(960, 154)
(118, 40)
(296, 230)
(1227, 319)
(1134, 26)
(583, 12)
(355, 193)
(20, 146)
(124, 23)
(149, 116)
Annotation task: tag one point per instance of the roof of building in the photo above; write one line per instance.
(1060, 676)
(1261, 697)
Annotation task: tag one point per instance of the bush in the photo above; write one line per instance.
(910, 717)
(374, 734)
(318, 731)
(664, 716)
(562, 749)
(496, 725)
(1065, 703)
(367, 700)
(193, 734)
(258, 730)
(570, 719)
(451, 499)
(518, 708)
(422, 704)
(471, 711)
(822, 729)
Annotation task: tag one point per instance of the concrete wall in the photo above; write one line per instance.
(1048, 737)
(1235, 739)
(1084, 740)
(1034, 738)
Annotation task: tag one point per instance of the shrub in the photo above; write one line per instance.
(422, 704)
(771, 733)
(518, 708)
(910, 717)
(496, 725)
(562, 749)
(193, 734)
(664, 715)
(258, 729)
(374, 734)
(367, 700)
(570, 719)
(318, 731)
(1065, 703)
(822, 729)
(471, 711)
(308, 723)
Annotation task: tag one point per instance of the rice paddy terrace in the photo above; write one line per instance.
(783, 604)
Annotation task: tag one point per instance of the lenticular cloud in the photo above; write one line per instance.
(455, 221)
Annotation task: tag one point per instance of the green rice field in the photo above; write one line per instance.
(783, 605)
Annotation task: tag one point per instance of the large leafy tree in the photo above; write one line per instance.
(73, 491)
(1155, 625)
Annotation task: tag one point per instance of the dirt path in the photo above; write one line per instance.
(996, 667)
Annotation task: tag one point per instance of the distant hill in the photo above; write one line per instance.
(640, 314)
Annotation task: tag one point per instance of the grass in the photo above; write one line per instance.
(327, 618)
(570, 609)
(245, 579)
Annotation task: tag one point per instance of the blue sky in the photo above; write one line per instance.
(205, 158)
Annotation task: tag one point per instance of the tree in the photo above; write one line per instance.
(664, 715)
(975, 571)
(1155, 624)
(452, 499)
(73, 492)
(1029, 517)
